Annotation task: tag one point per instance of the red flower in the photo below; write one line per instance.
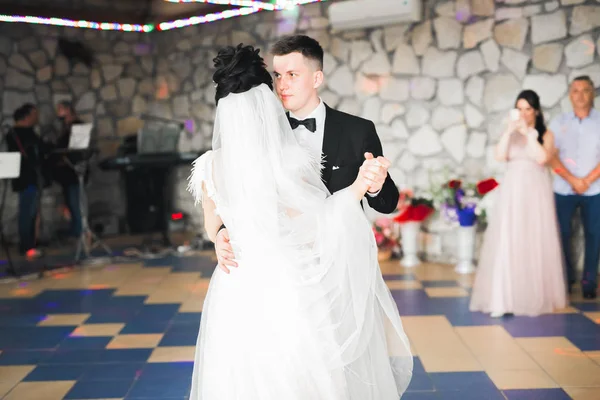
(418, 213)
(454, 184)
(486, 186)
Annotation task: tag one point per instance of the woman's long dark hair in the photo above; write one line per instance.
(533, 99)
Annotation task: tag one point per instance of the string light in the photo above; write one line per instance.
(238, 3)
(256, 7)
(180, 23)
(265, 5)
(302, 2)
(247, 7)
(104, 26)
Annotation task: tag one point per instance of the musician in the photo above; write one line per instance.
(33, 177)
(63, 173)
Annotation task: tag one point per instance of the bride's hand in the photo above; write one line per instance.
(362, 182)
(360, 187)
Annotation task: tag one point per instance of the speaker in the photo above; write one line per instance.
(147, 205)
(149, 193)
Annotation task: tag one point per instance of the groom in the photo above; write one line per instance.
(343, 139)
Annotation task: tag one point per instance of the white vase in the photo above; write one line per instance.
(466, 250)
(409, 232)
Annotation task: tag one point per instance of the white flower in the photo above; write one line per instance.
(487, 202)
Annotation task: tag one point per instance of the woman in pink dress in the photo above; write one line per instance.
(520, 268)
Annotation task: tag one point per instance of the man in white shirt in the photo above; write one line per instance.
(577, 180)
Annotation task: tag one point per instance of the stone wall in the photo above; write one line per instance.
(438, 90)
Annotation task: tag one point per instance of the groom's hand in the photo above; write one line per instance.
(224, 251)
(374, 171)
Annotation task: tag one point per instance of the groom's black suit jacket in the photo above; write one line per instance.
(345, 141)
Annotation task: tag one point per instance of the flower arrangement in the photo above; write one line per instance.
(459, 201)
(412, 208)
(385, 238)
(485, 206)
(384, 235)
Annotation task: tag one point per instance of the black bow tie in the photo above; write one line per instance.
(309, 123)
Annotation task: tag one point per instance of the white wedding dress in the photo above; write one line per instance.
(307, 314)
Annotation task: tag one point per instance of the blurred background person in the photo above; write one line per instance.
(33, 177)
(64, 174)
(576, 184)
(520, 270)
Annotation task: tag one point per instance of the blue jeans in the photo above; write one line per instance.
(28, 209)
(71, 194)
(590, 218)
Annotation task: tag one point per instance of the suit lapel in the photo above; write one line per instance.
(331, 141)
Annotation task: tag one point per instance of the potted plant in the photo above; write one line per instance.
(459, 204)
(386, 241)
(413, 211)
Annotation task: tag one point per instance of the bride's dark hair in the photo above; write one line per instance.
(239, 69)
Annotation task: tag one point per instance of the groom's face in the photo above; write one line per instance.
(297, 79)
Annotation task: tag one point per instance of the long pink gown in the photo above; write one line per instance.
(521, 268)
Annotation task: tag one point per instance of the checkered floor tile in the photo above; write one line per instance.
(127, 331)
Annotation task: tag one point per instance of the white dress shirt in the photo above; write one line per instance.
(578, 143)
(314, 140)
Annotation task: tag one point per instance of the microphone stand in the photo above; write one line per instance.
(83, 247)
(39, 193)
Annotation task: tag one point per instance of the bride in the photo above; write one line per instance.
(306, 315)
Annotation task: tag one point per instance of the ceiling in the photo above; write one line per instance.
(120, 11)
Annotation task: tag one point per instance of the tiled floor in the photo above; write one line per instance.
(127, 331)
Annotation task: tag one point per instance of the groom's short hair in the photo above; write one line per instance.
(302, 44)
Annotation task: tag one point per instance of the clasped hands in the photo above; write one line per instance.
(373, 172)
(580, 185)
